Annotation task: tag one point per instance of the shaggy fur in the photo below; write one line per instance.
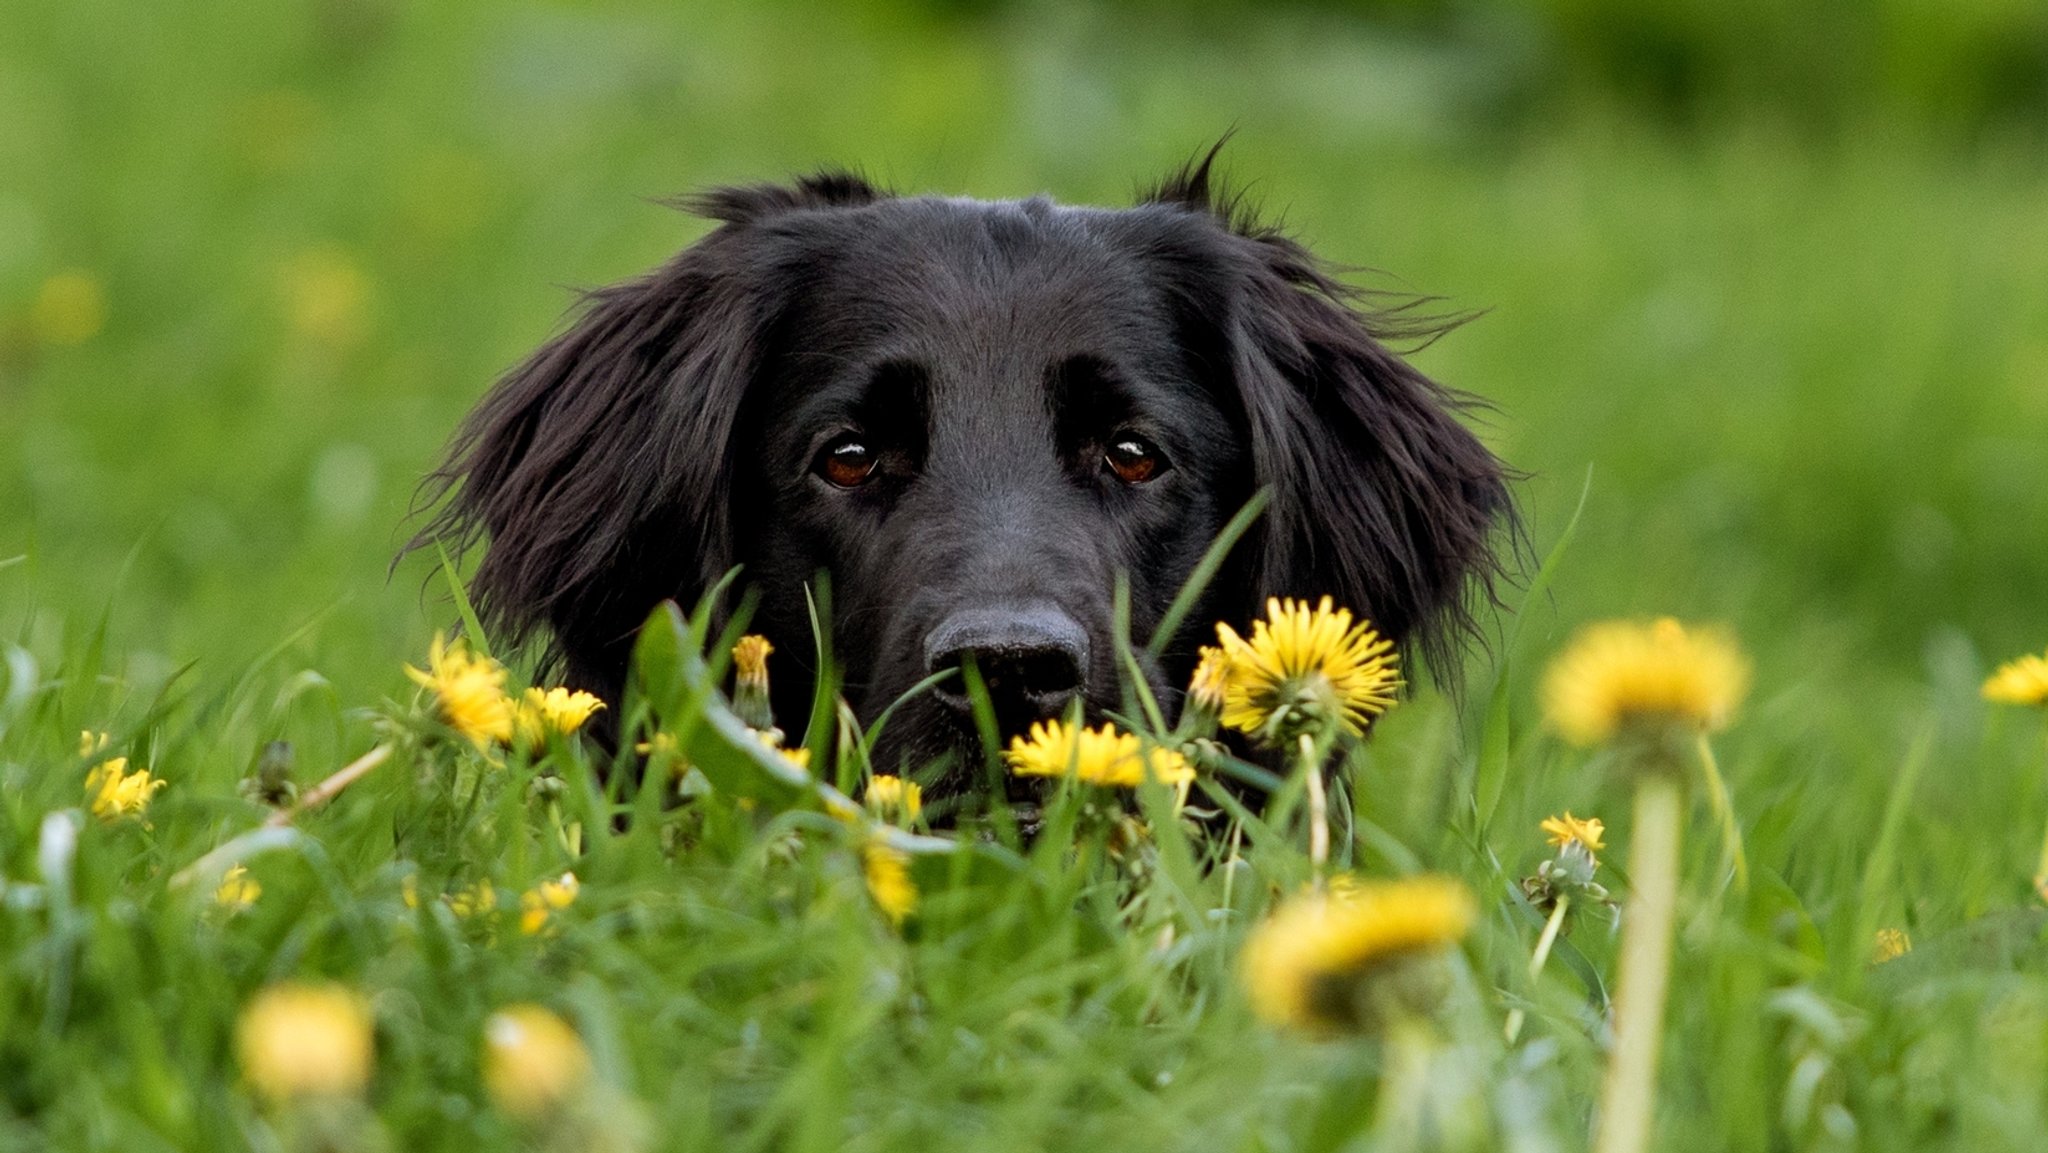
(987, 360)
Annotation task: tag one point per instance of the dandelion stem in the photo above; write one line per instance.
(1540, 958)
(2041, 871)
(1724, 812)
(1318, 809)
(1628, 1098)
(331, 788)
(1231, 863)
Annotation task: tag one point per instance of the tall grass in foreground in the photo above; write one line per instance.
(484, 932)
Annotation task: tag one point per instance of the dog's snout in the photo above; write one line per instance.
(1032, 660)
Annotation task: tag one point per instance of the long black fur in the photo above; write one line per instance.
(651, 446)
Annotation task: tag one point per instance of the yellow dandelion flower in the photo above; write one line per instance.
(469, 692)
(1304, 667)
(1620, 674)
(70, 308)
(1098, 756)
(893, 799)
(556, 711)
(1207, 688)
(533, 1061)
(113, 791)
(1304, 966)
(305, 1041)
(1890, 945)
(1567, 829)
(237, 890)
(2019, 682)
(888, 875)
(538, 904)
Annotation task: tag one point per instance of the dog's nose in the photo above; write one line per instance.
(1033, 660)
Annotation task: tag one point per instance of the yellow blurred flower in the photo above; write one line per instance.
(888, 875)
(1567, 829)
(1620, 674)
(1304, 668)
(533, 1061)
(557, 711)
(238, 890)
(2019, 682)
(115, 792)
(327, 296)
(893, 799)
(798, 756)
(476, 900)
(1098, 756)
(70, 308)
(539, 903)
(1304, 966)
(299, 1040)
(469, 692)
(1891, 944)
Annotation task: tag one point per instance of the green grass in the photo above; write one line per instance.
(1807, 375)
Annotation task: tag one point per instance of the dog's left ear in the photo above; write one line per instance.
(1381, 498)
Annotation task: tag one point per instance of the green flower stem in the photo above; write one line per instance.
(2041, 870)
(1230, 863)
(1628, 1097)
(1724, 812)
(1400, 1116)
(1540, 958)
(1318, 809)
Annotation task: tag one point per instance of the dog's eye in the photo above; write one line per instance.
(1133, 459)
(846, 462)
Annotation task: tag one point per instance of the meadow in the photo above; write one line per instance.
(1784, 378)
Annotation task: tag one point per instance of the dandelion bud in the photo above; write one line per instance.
(533, 1061)
(893, 799)
(750, 681)
(1570, 872)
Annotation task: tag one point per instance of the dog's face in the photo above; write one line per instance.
(974, 420)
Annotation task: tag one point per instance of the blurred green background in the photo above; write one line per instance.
(1777, 274)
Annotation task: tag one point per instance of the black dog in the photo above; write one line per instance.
(973, 416)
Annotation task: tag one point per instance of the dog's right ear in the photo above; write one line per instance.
(599, 469)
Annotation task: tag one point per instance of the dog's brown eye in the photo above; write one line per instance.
(1133, 459)
(846, 462)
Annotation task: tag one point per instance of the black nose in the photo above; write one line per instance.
(1032, 660)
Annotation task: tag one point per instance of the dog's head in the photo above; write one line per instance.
(975, 418)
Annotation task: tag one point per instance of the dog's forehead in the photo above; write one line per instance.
(952, 268)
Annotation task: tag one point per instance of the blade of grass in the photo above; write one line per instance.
(1205, 571)
(472, 627)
